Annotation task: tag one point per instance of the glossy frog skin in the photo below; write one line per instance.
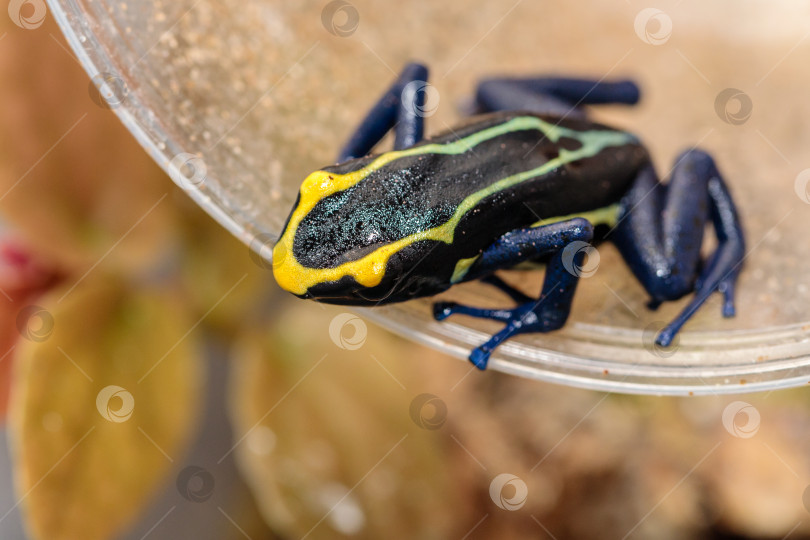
(531, 179)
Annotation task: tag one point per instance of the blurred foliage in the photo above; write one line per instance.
(82, 446)
(304, 451)
(109, 271)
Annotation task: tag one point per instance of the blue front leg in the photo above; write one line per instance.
(399, 106)
(547, 313)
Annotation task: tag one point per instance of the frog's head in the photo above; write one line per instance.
(328, 251)
(354, 235)
(391, 272)
(348, 283)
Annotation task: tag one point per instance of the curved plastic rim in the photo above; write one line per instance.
(512, 357)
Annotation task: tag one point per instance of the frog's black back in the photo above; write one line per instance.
(425, 189)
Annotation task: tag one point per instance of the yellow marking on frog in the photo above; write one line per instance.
(608, 215)
(368, 271)
(461, 269)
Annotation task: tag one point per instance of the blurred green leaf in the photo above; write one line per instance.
(103, 402)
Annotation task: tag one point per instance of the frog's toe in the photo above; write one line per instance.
(480, 357)
(727, 288)
(666, 336)
(442, 310)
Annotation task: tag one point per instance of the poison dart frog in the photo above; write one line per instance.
(524, 179)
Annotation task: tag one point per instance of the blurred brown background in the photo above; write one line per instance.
(259, 416)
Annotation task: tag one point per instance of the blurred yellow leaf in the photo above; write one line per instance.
(104, 396)
(325, 435)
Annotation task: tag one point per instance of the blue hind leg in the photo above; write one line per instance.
(398, 108)
(551, 95)
(551, 309)
(660, 234)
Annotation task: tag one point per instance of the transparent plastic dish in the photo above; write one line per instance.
(239, 101)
